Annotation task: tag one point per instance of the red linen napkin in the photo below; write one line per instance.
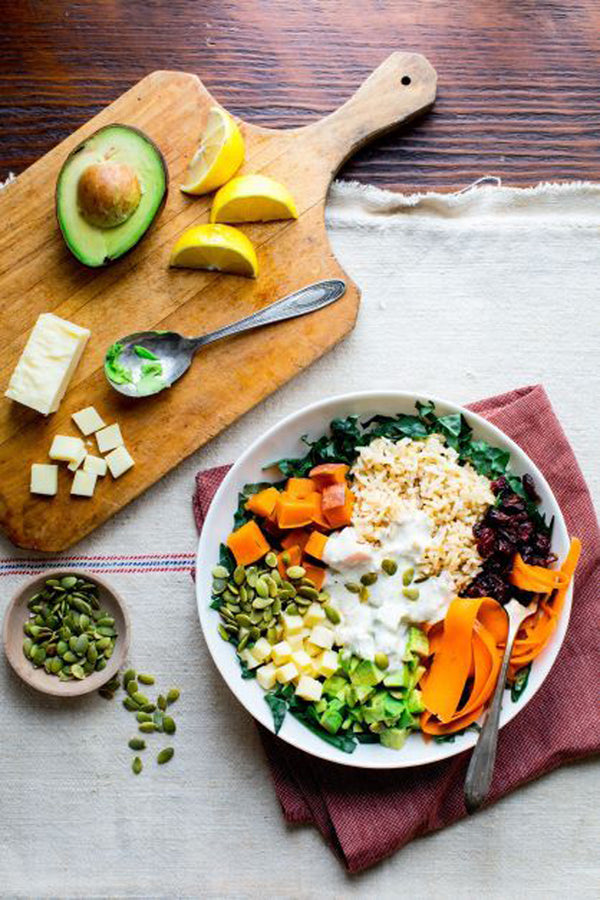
(367, 815)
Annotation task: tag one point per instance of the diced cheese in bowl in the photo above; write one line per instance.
(88, 420)
(281, 653)
(302, 661)
(322, 637)
(261, 650)
(327, 662)
(267, 676)
(65, 448)
(287, 673)
(309, 688)
(314, 615)
(44, 479)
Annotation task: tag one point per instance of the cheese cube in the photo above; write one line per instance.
(281, 653)
(291, 624)
(328, 663)
(309, 688)
(88, 420)
(66, 449)
(44, 479)
(267, 676)
(47, 363)
(302, 661)
(314, 615)
(251, 661)
(312, 649)
(322, 637)
(84, 484)
(261, 650)
(109, 438)
(74, 465)
(119, 461)
(94, 464)
(296, 641)
(287, 673)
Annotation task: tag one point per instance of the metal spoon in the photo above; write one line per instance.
(175, 352)
(481, 764)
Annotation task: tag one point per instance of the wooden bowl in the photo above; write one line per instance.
(13, 636)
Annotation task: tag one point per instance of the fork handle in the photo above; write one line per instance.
(481, 764)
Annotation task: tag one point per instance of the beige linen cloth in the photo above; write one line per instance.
(463, 296)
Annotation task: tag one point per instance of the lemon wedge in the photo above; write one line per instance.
(218, 248)
(218, 157)
(253, 198)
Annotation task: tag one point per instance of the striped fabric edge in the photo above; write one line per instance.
(140, 563)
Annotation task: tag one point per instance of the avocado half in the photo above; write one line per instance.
(109, 191)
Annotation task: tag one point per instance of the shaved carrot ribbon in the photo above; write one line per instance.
(467, 647)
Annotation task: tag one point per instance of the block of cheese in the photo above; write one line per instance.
(119, 461)
(47, 363)
(74, 464)
(66, 448)
(88, 420)
(84, 484)
(95, 465)
(44, 479)
(109, 438)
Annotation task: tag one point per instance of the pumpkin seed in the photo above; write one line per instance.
(82, 644)
(291, 609)
(148, 707)
(69, 657)
(407, 576)
(130, 674)
(422, 579)
(286, 558)
(369, 578)
(161, 702)
(239, 575)
(169, 725)
(143, 717)
(364, 594)
(233, 588)
(243, 643)
(220, 572)
(136, 744)
(68, 582)
(165, 755)
(272, 635)
(303, 601)
(310, 592)
(411, 593)
(173, 695)
(223, 633)
(262, 602)
(271, 559)
(389, 566)
(332, 614)
(381, 660)
(295, 572)
(353, 587)
(243, 620)
(101, 664)
(130, 704)
(77, 671)
(147, 727)
(136, 765)
(262, 589)
(254, 633)
(131, 687)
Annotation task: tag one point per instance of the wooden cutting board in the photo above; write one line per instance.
(38, 274)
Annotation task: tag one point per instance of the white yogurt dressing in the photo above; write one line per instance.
(382, 622)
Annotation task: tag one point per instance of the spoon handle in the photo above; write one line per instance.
(306, 300)
(481, 764)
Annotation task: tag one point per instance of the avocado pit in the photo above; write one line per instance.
(108, 193)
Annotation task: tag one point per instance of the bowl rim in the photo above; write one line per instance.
(77, 688)
(207, 621)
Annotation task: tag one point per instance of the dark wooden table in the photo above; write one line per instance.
(519, 80)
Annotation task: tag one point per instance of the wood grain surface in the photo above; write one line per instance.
(518, 92)
(140, 291)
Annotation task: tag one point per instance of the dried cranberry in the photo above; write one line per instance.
(529, 488)
(486, 542)
(500, 484)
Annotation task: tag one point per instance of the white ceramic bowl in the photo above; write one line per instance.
(284, 440)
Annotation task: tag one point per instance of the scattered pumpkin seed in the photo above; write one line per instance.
(220, 572)
(136, 744)
(169, 725)
(411, 593)
(130, 704)
(161, 702)
(369, 578)
(353, 587)
(389, 566)
(146, 679)
(142, 716)
(381, 660)
(407, 576)
(173, 695)
(136, 765)
(165, 755)
(295, 572)
(364, 594)
(147, 727)
(332, 614)
(271, 559)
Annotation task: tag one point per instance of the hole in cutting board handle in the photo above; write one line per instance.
(405, 80)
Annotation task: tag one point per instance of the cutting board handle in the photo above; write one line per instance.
(399, 89)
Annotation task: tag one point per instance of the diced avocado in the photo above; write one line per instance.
(374, 709)
(406, 720)
(392, 709)
(321, 705)
(413, 677)
(414, 703)
(109, 191)
(333, 685)
(357, 694)
(394, 679)
(417, 642)
(366, 673)
(393, 738)
(331, 720)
